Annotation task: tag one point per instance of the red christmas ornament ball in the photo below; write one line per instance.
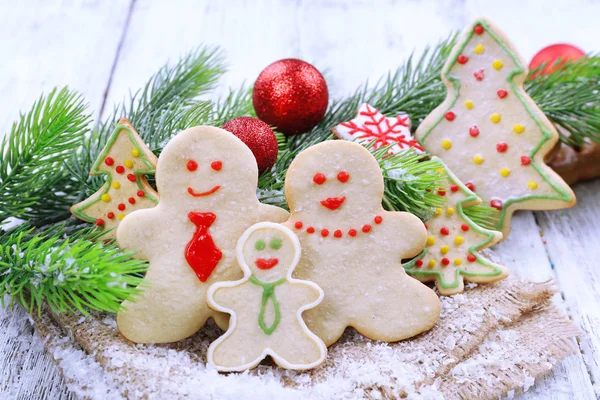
(258, 136)
(552, 53)
(291, 95)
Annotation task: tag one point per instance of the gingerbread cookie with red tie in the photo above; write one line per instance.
(206, 178)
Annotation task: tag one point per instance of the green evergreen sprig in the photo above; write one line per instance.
(69, 274)
(33, 181)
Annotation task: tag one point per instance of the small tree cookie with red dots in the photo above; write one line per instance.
(371, 126)
(490, 132)
(266, 305)
(352, 248)
(451, 255)
(124, 161)
(206, 178)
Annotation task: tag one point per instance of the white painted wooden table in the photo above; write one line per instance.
(105, 48)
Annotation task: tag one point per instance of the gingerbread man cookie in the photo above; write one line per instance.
(452, 252)
(266, 305)
(206, 178)
(490, 132)
(352, 248)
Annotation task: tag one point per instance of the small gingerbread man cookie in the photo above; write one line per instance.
(266, 305)
(206, 178)
(352, 248)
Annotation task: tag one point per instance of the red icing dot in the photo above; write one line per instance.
(324, 232)
(109, 161)
(343, 176)
(110, 215)
(378, 219)
(442, 192)
(131, 200)
(525, 160)
(310, 229)
(131, 177)
(497, 204)
(478, 29)
(444, 231)
(462, 59)
(366, 228)
(464, 227)
(474, 131)
(470, 186)
(120, 169)
(450, 115)
(141, 193)
(121, 207)
(337, 234)
(298, 225)
(99, 222)
(352, 232)
(419, 263)
(502, 93)
(454, 188)
(445, 261)
(426, 226)
(501, 147)
(216, 165)
(471, 258)
(319, 178)
(192, 165)
(479, 75)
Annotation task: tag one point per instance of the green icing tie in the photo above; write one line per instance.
(268, 293)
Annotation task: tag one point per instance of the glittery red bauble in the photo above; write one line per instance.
(258, 136)
(291, 95)
(552, 53)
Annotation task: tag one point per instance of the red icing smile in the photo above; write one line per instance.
(266, 263)
(333, 203)
(211, 191)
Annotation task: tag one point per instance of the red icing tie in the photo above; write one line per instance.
(201, 252)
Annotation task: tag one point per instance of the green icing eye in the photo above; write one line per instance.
(259, 245)
(275, 244)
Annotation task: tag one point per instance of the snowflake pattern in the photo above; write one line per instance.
(371, 125)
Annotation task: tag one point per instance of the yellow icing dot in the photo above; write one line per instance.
(518, 128)
(457, 261)
(441, 171)
(458, 240)
(495, 118)
(135, 152)
(121, 216)
(431, 263)
(447, 144)
(449, 210)
(469, 104)
(478, 159)
(105, 197)
(532, 185)
(116, 185)
(444, 249)
(128, 163)
(430, 241)
(478, 49)
(505, 172)
(497, 64)
(438, 211)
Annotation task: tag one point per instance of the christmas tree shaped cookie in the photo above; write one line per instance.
(124, 161)
(451, 254)
(266, 305)
(489, 131)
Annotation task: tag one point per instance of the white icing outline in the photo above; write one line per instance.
(233, 320)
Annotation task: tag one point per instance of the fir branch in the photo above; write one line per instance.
(33, 182)
(73, 274)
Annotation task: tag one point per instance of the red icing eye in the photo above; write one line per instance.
(192, 165)
(216, 165)
(319, 178)
(343, 176)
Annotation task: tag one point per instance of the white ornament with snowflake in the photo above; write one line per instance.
(371, 126)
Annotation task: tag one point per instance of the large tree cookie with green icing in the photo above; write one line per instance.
(451, 255)
(490, 132)
(352, 248)
(206, 178)
(266, 305)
